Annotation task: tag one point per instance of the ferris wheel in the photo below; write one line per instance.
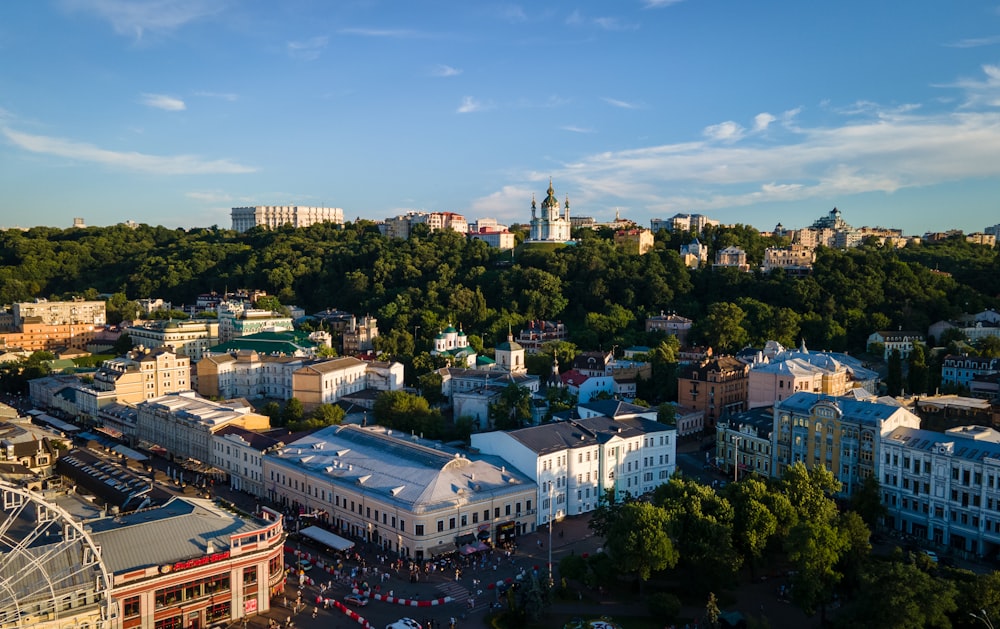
(51, 573)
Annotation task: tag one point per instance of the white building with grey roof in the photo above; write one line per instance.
(944, 487)
(408, 495)
(574, 462)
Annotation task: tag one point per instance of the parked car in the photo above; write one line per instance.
(404, 623)
(304, 564)
(358, 600)
(931, 555)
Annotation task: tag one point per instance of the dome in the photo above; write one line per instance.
(509, 346)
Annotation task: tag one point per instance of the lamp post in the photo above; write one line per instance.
(736, 458)
(551, 581)
(983, 617)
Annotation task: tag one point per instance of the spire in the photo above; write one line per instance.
(510, 334)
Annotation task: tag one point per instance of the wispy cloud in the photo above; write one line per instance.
(728, 131)
(209, 196)
(620, 103)
(307, 50)
(136, 17)
(394, 33)
(470, 105)
(576, 129)
(139, 162)
(513, 13)
(227, 96)
(975, 42)
(164, 102)
(656, 4)
(607, 23)
(442, 70)
(980, 92)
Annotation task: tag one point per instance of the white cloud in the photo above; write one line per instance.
(227, 96)
(136, 17)
(620, 103)
(140, 162)
(308, 49)
(576, 129)
(656, 4)
(211, 196)
(442, 70)
(164, 102)
(615, 24)
(394, 33)
(513, 13)
(509, 204)
(762, 121)
(470, 105)
(728, 131)
(975, 42)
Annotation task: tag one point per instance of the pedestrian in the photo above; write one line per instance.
(315, 611)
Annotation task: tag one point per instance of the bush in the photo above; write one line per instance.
(664, 606)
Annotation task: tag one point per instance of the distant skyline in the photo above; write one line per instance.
(171, 112)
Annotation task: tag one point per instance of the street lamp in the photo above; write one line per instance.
(983, 617)
(551, 581)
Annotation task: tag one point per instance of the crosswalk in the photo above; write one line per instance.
(460, 594)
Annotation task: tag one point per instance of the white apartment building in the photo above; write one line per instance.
(409, 496)
(237, 324)
(574, 462)
(240, 454)
(944, 487)
(183, 423)
(247, 374)
(271, 216)
(60, 312)
(327, 381)
(190, 338)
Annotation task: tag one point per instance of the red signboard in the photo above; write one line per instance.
(201, 561)
(250, 606)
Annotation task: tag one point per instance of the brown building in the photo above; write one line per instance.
(34, 336)
(717, 386)
(143, 374)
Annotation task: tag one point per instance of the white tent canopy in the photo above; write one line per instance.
(326, 538)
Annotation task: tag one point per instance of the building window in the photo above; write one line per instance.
(440, 526)
(419, 530)
(131, 607)
(249, 575)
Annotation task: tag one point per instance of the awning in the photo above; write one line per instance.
(111, 432)
(326, 538)
(467, 549)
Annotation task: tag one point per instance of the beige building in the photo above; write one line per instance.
(183, 423)
(634, 241)
(425, 499)
(775, 381)
(143, 374)
(34, 336)
(358, 336)
(190, 338)
(796, 259)
(60, 312)
(247, 374)
(327, 381)
(271, 216)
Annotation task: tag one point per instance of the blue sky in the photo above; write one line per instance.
(173, 111)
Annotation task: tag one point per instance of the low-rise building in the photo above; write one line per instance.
(715, 386)
(191, 338)
(540, 332)
(894, 340)
(274, 216)
(794, 260)
(634, 241)
(246, 322)
(732, 257)
(743, 443)
(961, 369)
(672, 324)
(409, 496)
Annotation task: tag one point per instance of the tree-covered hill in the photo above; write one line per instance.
(435, 278)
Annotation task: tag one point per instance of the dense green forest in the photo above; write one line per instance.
(602, 294)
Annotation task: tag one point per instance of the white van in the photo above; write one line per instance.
(405, 623)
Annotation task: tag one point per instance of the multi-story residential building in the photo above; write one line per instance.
(634, 241)
(190, 338)
(794, 260)
(899, 340)
(973, 331)
(496, 238)
(93, 313)
(843, 434)
(944, 487)
(272, 216)
(240, 454)
(189, 564)
(424, 499)
(183, 424)
(550, 224)
(694, 254)
(248, 374)
(715, 386)
(143, 374)
(772, 382)
(743, 443)
(33, 336)
(575, 462)
(401, 226)
(236, 324)
(325, 382)
(539, 333)
(673, 324)
(358, 337)
(732, 257)
(683, 223)
(961, 369)
(980, 238)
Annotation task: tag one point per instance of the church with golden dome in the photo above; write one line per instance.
(551, 224)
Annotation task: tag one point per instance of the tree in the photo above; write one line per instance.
(867, 502)
(755, 522)
(637, 540)
(512, 409)
(328, 414)
(292, 412)
(123, 345)
(814, 547)
(899, 595)
(894, 376)
(712, 611)
(989, 346)
(918, 374)
(722, 327)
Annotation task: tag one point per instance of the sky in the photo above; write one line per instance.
(171, 112)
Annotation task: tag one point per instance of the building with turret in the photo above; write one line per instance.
(549, 224)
